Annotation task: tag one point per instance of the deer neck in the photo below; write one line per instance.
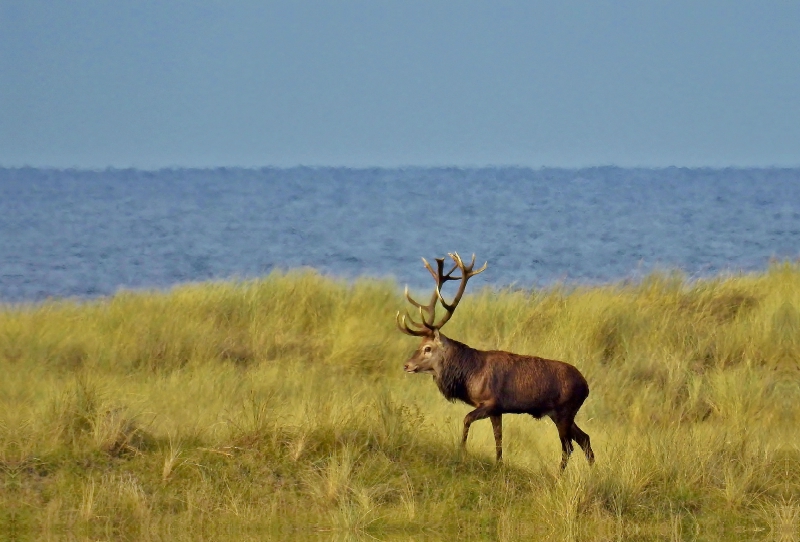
(459, 362)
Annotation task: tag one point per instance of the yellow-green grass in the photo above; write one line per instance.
(279, 406)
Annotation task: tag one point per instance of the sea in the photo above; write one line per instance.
(83, 234)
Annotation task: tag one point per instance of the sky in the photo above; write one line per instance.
(202, 83)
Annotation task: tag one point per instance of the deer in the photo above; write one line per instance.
(493, 382)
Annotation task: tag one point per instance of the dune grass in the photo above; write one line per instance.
(279, 406)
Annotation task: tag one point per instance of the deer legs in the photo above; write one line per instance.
(568, 431)
(484, 411)
(497, 427)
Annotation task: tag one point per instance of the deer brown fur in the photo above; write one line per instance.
(494, 382)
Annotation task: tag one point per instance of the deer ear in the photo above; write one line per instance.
(437, 336)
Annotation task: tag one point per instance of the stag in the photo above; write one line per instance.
(493, 382)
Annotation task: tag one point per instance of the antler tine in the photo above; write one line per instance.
(403, 326)
(481, 270)
(467, 269)
(429, 309)
(414, 322)
(412, 300)
(439, 264)
(439, 276)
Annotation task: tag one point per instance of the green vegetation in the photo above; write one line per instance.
(279, 406)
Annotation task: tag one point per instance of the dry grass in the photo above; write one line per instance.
(279, 406)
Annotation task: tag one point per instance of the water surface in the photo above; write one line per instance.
(90, 233)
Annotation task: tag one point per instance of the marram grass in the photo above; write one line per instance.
(278, 408)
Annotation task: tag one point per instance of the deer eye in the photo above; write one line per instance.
(426, 350)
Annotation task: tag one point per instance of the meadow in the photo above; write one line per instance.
(278, 408)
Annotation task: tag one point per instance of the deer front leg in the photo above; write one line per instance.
(497, 426)
(479, 413)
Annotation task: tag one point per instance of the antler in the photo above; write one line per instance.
(427, 327)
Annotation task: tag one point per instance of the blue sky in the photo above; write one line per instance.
(247, 83)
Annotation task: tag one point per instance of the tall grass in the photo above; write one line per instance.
(280, 406)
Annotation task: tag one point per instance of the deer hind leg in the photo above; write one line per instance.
(583, 441)
(479, 413)
(564, 426)
(497, 426)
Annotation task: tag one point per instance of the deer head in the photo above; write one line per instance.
(428, 355)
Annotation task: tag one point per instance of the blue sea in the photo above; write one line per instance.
(84, 233)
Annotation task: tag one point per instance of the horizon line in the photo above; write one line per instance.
(396, 167)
